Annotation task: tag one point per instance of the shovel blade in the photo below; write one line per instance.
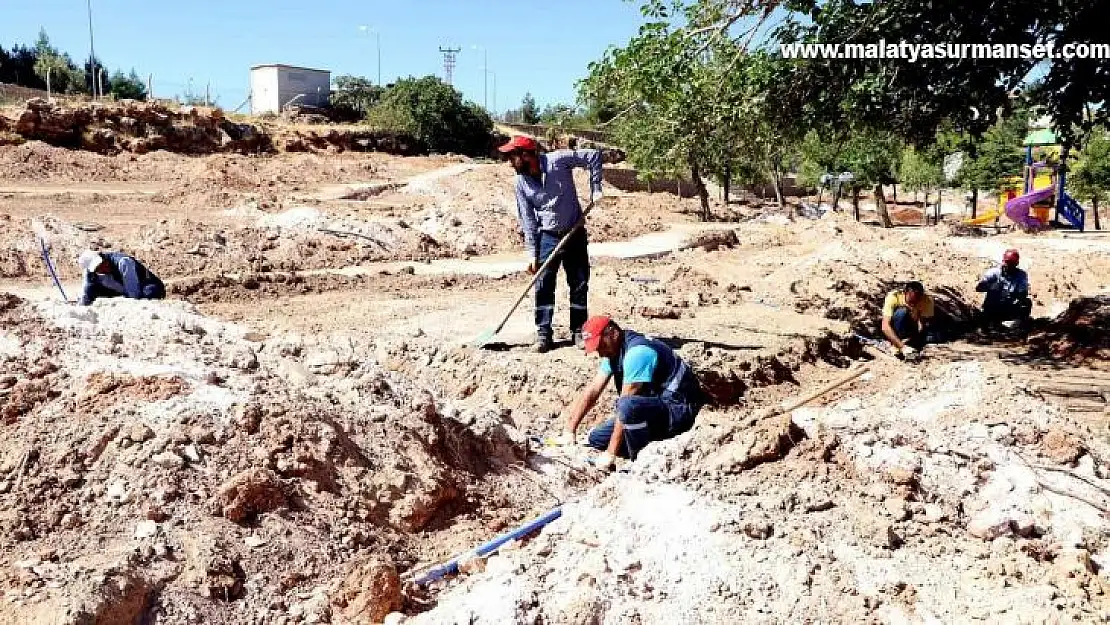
(484, 339)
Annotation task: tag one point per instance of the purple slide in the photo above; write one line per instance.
(1017, 209)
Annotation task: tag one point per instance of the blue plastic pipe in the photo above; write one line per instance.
(50, 268)
(452, 566)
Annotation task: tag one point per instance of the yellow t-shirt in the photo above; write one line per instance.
(897, 299)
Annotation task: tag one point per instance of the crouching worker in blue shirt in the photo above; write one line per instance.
(114, 274)
(659, 394)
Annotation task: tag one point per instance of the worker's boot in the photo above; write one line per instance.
(543, 345)
(579, 342)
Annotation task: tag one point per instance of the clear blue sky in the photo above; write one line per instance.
(542, 47)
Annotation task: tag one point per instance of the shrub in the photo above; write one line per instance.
(435, 114)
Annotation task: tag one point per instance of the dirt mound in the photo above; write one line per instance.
(36, 160)
(261, 285)
(30, 375)
(276, 285)
(142, 127)
(474, 212)
(298, 240)
(220, 476)
(105, 389)
(864, 510)
(225, 180)
(1080, 333)
(727, 379)
(137, 127)
(347, 140)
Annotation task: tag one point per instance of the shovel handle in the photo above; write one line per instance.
(550, 259)
(50, 267)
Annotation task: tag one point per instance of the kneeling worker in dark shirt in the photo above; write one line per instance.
(114, 274)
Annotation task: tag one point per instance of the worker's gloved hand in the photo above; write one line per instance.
(532, 267)
(908, 352)
(604, 461)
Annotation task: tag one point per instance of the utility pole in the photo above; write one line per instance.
(92, 53)
(100, 77)
(207, 91)
(449, 56)
(378, 40)
(149, 87)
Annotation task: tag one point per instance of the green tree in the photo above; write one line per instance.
(354, 96)
(558, 114)
(995, 156)
(760, 144)
(600, 110)
(17, 67)
(128, 87)
(55, 69)
(913, 99)
(434, 113)
(100, 76)
(667, 87)
(873, 158)
(528, 111)
(1090, 179)
(920, 171)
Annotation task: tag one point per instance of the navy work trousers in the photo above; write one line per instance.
(575, 260)
(646, 419)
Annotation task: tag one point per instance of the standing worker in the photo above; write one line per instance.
(547, 206)
(907, 312)
(1007, 288)
(115, 274)
(660, 396)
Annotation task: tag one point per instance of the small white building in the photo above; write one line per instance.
(275, 86)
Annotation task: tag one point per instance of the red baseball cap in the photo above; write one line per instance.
(520, 142)
(1010, 257)
(591, 331)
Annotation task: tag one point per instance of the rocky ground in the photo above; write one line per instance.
(305, 423)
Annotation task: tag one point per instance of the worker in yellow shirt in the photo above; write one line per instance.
(906, 314)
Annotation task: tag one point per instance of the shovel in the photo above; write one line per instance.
(487, 336)
(50, 268)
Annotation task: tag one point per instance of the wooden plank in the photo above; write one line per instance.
(1067, 381)
(1078, 405)
(1065, 391)
(805, 399)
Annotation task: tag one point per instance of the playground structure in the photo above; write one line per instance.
(1010, 189)
(1042, 190)
(1042, 193)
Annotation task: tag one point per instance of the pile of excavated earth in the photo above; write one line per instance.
(140, 127)
(163, 464)
(305, 426)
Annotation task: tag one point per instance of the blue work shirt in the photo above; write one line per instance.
(639, 364)
(1004, 286)
(549, 203)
